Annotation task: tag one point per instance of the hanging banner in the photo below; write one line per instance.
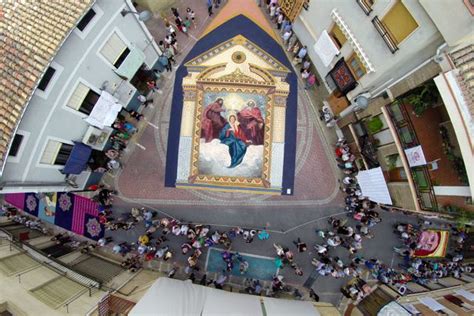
(415, 156)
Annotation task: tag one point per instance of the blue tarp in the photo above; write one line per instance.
(77, 161)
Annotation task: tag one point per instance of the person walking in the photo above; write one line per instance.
(300, 245)
(304, 74)
(273, 8)
(164, 61)
(179, 24)
(209, 7)
(284, 23)
(186, 26)
(310, 81)
(313, 295)
(170, 29)
(175, 12)
(302, 52)
(191, 16)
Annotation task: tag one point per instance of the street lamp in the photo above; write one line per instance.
(359, 103)
(142, 16)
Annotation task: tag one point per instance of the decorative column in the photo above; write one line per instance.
(187, 128)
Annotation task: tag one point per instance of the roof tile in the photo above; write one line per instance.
(31, 34)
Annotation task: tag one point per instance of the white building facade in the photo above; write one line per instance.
(377, 55)
(102, 53)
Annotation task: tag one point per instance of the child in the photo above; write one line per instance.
(191, 16)
(187, 24)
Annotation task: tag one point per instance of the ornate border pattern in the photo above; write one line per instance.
(269, 82)
(196, 177)
(195, 64)
(291, 8)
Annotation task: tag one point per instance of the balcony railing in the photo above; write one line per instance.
(407, 136)
(385, 33)
(366, 7)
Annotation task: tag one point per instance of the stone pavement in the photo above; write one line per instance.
(142, 180)
(316, 197)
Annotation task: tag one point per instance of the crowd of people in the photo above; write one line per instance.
(153, 244)
(346, 232)
(290, 41)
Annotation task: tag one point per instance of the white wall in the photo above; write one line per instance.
(415, 49)
(50, 117)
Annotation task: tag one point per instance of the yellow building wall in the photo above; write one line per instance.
(336, 31)
(399, 21)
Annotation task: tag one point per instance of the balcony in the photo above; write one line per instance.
(365, 6)
(383, 30)
(408, 136)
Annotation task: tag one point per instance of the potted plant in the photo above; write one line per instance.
(374, 125)
(423, 97)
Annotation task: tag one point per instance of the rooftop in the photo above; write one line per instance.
(31, 34)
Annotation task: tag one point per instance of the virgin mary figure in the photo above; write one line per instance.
(233, 136)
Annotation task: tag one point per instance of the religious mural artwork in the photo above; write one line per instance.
(232, 134)
(231, 95)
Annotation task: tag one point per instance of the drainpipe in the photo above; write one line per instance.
(438, 58)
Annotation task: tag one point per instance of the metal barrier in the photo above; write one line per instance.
(73, 275)
(403, 123)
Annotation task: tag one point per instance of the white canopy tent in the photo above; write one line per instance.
(220, 302)
(281, 307)
(105, 111)
(325, 48)
(169, 297)
(372, 184)
(172, 297)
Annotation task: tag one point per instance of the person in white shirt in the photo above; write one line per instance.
(272, 11)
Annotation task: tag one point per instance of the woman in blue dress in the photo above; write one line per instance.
(233, 136)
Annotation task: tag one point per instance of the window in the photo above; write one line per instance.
(86, 19)
(16, 144)
(369, 3)
(115, 50)
(406, 136)
(357, 68)
(56, 153)
(399, 22)
(83, 99)
(46, 78)
(337, 35)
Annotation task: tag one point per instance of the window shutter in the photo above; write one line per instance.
(78, 96)
(50, 152)
(113, 48)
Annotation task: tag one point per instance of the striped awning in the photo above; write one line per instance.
(352, 40)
